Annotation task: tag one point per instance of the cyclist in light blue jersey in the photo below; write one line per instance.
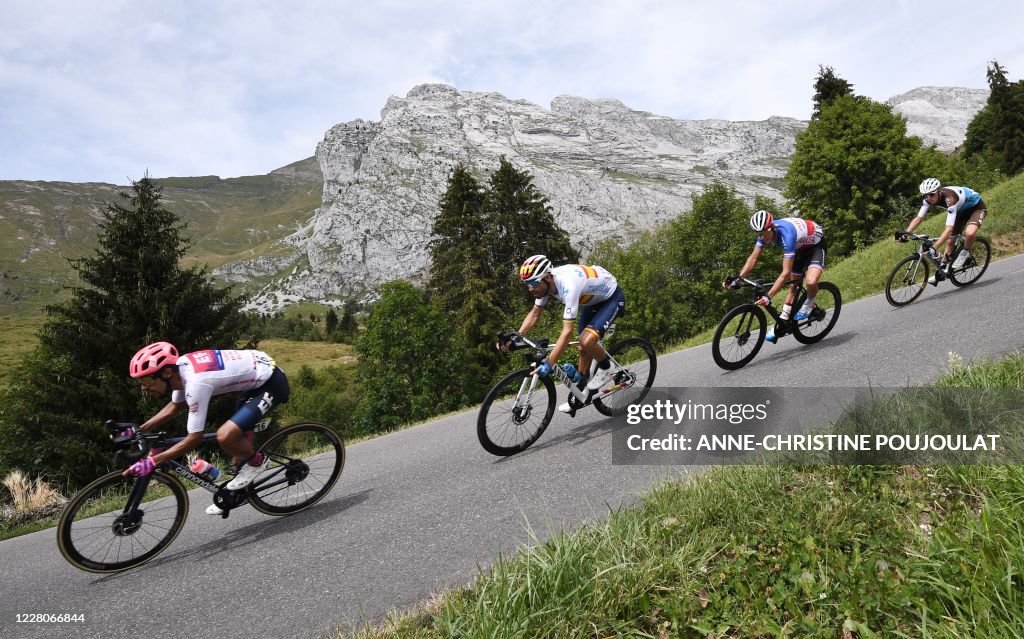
(965, 211)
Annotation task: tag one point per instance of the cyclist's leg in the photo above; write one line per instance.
(973, 221)
(586, 316)
(233, 436)
(603, 316)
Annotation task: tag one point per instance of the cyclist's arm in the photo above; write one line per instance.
(190, 441)
(531, 319)
(165, 414)
(751, 261)
(568, 328)
(787, 270)
(914, 223)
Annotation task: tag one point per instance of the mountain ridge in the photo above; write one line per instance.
(359, 211)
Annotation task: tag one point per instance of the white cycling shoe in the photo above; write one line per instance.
(213, 509)
(600, 378)
(247, 474)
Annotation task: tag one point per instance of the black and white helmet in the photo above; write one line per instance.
(930, 185)
(760, 221)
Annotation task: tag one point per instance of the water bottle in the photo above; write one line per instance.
(932, 253)
(206, 469)
(571, 371)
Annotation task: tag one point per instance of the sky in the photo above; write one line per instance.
(105, 91)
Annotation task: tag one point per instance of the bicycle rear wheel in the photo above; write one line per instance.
(827, 304)
(633, 381)
(976, 264)
(513, 416)
(738, 337)
(305, 462)
(95, 539)
(907, 280)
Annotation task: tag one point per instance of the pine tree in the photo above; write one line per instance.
(461, 281)
(523, 225)
(827, 87)
(134, 291)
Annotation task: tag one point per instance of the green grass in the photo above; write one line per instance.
(771, 551)
(17, 339)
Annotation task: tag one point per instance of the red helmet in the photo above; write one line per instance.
(152, 359)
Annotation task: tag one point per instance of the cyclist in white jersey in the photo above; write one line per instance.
(803, 256)
(592, 298)
(965, 211)
(194, 379)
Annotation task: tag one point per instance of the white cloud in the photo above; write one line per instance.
(106, 90)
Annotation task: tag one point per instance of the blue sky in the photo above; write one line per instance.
(104, 91)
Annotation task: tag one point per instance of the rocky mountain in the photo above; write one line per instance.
(608, 171)
(360, 212)
(939, 115)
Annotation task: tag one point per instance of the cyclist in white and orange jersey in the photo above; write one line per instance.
(592, 299)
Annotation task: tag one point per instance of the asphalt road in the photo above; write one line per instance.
(426, 508)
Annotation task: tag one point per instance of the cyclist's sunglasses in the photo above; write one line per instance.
(533, 282)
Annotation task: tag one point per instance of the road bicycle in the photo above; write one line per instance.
(740, 334)
(520, 406)
(149, 512)
(909, 277)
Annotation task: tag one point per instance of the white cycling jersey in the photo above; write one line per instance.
(577, 285)
(215, 372)
(965, 198)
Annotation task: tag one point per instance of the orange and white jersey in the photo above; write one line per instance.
(577, 285)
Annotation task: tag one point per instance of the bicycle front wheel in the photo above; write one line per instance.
(907, 281)
(976, 264)
(738, 337)
(94, 538)
(515, 412)
(305, 462)
(827, 304)
(631, 383)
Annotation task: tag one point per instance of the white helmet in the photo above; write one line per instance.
(760, 221)
(534, 269)
(930, 185)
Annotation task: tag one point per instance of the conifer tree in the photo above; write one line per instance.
(461, 281)
(827, 87)
(133, 291)
(523, 225)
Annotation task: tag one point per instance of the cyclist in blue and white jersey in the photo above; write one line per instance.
(965, 211)
(193, 379)
(803, 255)
(592, 299)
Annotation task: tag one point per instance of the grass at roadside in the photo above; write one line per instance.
(758, 551)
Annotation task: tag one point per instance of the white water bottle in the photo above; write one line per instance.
(206, 469)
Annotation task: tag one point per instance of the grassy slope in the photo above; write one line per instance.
(42, 224)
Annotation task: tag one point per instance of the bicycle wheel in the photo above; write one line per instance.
(975, 265)
(94, 538)
(827, 304)
(305, 462)
(513, 416)
(907, 280)
(738, 337)
(633, 381)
